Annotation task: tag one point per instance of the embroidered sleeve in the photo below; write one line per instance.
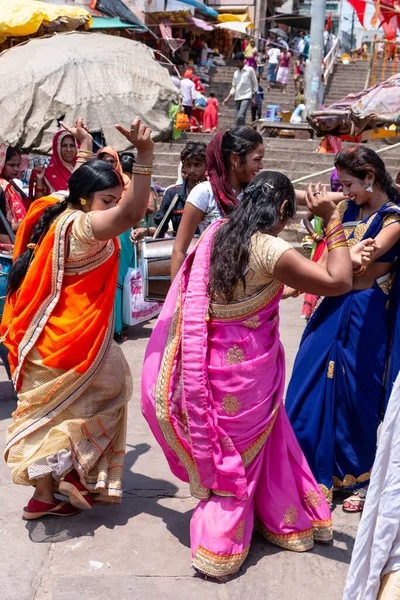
(342, 207)
(82, 241)
(390, 219)
(267, 252)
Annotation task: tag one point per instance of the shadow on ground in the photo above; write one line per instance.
(142, 496)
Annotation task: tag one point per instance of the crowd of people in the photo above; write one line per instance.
(214, 371)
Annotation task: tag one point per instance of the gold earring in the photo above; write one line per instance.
(83, 201)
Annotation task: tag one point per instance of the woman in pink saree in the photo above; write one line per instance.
(213, 379)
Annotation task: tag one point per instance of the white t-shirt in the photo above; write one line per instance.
(273, 55)
(202, 197)
(188, 92)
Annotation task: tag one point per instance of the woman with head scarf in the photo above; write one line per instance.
(62, 163)
(233, 159)
(15, 207)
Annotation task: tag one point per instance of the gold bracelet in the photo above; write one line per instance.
(360, 271)
(332, 227)
(81, 154)
(337, 245)
(142, 169)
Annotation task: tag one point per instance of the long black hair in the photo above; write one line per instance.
(93, 176)
(360, 161)
(259, 210)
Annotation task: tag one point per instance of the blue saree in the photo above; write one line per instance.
(337, 393)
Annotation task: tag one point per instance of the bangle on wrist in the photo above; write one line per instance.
(359, 271)
(142, 169)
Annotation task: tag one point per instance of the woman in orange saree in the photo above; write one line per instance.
(72, 380)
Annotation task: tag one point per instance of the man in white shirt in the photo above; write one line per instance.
(188, 94)
(244, 89)
(273, 60)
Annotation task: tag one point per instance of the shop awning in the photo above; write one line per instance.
(229, 17)
(296, 21)
(205, 10)
(236, 26)
(112, 23)
(118, 9)
(25, 17)
(200, 24)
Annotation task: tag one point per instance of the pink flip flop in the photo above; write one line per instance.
(37, 509)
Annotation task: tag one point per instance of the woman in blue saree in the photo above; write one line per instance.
(336, 397)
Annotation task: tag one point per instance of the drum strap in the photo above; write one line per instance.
(166, 216)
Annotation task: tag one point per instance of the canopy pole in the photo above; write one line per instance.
(316, 55)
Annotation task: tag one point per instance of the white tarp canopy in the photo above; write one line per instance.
(236, 26)
(105, 79)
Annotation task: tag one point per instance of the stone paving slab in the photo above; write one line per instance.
(140, 550)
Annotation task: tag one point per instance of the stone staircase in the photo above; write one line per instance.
(295, 158)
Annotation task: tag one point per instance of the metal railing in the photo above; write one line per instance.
(330, 60)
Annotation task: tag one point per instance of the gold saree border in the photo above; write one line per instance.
(46, 308)
(252, 451)
(300, 541)
(327, 492)
(218, 565)
(162, 405)
(350, 480)
(243, 309)
(322, 530)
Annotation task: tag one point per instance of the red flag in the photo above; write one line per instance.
(359, 7)
(329, 22)
(390, 28)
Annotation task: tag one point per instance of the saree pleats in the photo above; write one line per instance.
(212, 393)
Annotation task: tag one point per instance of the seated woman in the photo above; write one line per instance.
(15, 204)
(336, 397)
(72, 380)
(213, 378)
(55, 177)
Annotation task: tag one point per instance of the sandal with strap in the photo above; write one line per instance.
(355, 503)
(37, 509)
(78, 495)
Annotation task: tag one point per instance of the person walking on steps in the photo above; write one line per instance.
(244, 89)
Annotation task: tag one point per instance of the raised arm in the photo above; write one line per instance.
(296, 271)
(335, 197)
(81, 134)
(132, 207)
(191, 218)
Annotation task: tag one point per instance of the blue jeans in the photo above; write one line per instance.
(272, 72)
(242, 106)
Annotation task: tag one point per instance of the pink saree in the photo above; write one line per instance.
(212, 388)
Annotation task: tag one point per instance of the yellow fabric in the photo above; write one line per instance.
(24, 17)
(241, 17)
(264, 254)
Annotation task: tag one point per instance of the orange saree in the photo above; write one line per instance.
(72, 380)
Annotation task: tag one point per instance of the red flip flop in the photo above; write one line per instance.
(37, 509)
(77, 493)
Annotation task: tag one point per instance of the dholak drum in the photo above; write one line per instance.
(156, 267)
